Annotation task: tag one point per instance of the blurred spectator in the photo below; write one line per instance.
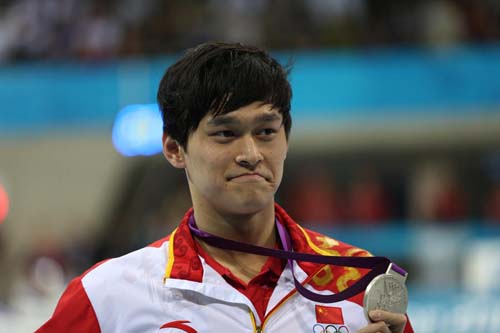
(37, 29)
(292, 28)
(242, 16)
(368, 200)
(435, 194)
(326, 11)
(481, 19)
(46, 267)
(99, 33)
(133, 12)
(492, 205)
(451, 203)
(442, 24)
(313, 198)
(337, 22)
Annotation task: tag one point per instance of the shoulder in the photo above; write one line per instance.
(326, 245)
(74, 312)
(331, 277)
(309, 241)
(84, 305)
(149, 261)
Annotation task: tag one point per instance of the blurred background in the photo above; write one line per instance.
(395, 145)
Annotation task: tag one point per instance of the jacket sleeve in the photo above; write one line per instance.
(73, 313)
(408, 327)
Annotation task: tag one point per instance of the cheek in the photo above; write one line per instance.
(213, 164)
(281, 149)
(206, 158)
(277, 161)
(278, 157)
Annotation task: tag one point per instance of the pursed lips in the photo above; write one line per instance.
(248, 175)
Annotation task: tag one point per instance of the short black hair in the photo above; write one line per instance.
(217, 78)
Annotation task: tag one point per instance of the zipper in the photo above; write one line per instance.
(257, 328)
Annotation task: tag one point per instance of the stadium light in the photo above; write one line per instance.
(138, 130)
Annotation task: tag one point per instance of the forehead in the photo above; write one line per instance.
(252, 113)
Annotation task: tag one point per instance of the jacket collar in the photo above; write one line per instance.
(184, 262)
(186, 269)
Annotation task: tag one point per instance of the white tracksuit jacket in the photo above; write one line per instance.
(167, 287)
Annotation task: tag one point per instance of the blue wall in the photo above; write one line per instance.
(331, 84)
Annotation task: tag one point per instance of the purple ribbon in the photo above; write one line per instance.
(378, 265)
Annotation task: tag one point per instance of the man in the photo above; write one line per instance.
(226, 118)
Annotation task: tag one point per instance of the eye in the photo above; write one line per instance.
(266, 131)
(224, 134)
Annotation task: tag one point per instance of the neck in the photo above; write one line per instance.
(254, 228)
(257, 229)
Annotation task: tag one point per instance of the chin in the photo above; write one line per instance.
(248, 205)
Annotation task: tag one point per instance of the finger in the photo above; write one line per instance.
(378, 327)
(396, 321)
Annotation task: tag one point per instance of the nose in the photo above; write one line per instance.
(249, 155)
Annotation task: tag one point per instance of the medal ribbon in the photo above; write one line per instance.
(378, 265)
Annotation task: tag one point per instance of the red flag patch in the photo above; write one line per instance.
(329, 315)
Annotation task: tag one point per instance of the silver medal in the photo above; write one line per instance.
(386, 292)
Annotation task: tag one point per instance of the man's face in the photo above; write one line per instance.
(234, 162)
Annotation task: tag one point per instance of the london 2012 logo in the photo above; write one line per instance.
(320, 328)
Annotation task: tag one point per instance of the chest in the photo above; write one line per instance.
(192, 312)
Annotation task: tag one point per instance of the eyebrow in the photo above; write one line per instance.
(229, 120)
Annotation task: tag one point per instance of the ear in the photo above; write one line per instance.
(173, 152)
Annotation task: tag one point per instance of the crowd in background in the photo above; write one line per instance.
(435, 191)
(100, 30)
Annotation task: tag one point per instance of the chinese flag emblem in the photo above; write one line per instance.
(329, 315)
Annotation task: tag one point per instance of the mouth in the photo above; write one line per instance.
(249, 176)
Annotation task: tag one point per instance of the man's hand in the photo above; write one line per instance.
(385, 322)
